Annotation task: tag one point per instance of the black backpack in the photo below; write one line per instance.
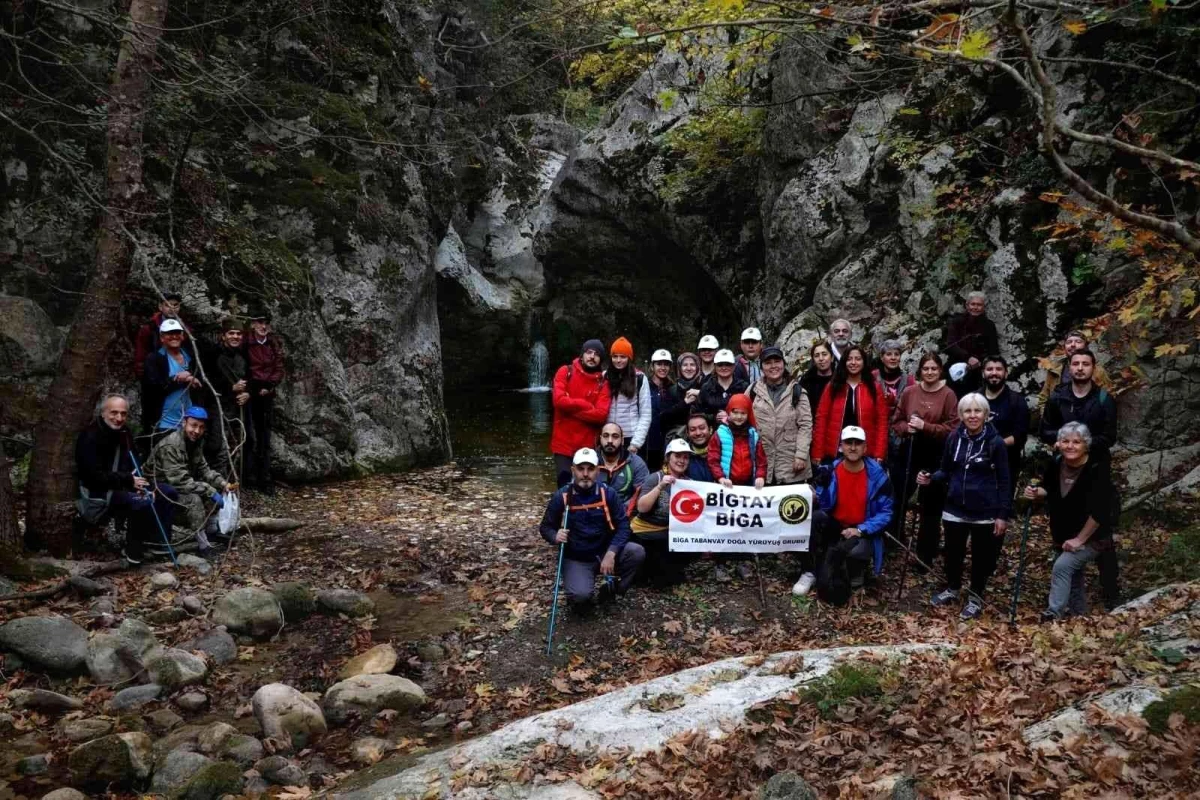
(833, 580)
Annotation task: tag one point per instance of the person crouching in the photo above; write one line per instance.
(650, 526)
(590, 520)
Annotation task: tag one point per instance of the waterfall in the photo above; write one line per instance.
(539, 358)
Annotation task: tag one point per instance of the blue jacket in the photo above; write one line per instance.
(698, 467)
(879, 504)
(626, 479)
(597, 522)
(976, 467)
(725, 436)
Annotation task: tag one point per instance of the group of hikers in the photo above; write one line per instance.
(206, 421)
(861, 431)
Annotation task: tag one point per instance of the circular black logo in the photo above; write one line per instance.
(793, 509)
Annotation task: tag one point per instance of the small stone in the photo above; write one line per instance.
(192, 701)
(120, 758)
(255, 787)
(905, 788)
(164, 720)
(65, 794)
(44, 700)
(212, 781)
(192, 605)
(83, 730)
(53, 643)
(296, 599)
(134, 696)
(463, 726)
(189, 561)
(787, 786)
(281, 772)
(172, 668)
(163, 580)
(345, 601)
(242, 749)
(249, 610)
(176, 769)
(436, 722)
(431, 653)
(6, 721)
(216, 643)
(370, 694)
(103, 606)
(369, 750)
(34, 765)
(213, 737)
(182, 738)
(288, 717)
(378, 660)
(86, 587)
(167, 616)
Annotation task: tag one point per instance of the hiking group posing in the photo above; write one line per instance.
(866, 436)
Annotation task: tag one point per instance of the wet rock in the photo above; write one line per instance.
(369, 750)
(82, 730)
(134, 696)
(378, 660)
(163, 580)
(65, 794)
(172, 668)
(164, 720)
(296, 599)
(34, 765)
(44, 700)
(370, 694)
(120, 758)
(787, 786)
(55, 644)
(242, 749)
(249, 610)
(192, 605)
(212, 781)
(216, 643)
(431, 653)
(176, 769)
(192, 701)
(287, 716)
(189, 561)
(167, 616)
(86, 587)
(121, 655)
(281, 772)
(213, 737)
(345, 601)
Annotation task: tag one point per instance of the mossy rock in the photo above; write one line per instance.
(211, 782)
(296, 599)
(1184, 700)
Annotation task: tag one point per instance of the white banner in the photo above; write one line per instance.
(708, 518)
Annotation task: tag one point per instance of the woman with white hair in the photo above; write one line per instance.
(1083, 508)
(978, 502)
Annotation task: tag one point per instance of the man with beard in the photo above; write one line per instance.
(840, 333)
(1081, 400)
(1075, 340)
(970, 338)
(595, 534)
(178, 459)
(1009, 411)
(109, 485)
(581, 402)
(623, 472)
(699, 431)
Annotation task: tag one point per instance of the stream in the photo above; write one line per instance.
(504, 436)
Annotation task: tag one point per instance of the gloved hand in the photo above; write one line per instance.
(218, 500)
(823, 476)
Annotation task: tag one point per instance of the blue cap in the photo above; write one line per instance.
(196, 412)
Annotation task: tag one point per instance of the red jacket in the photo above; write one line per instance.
(581, 402)
(265, 361)
(872, 418)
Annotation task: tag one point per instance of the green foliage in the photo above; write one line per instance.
(721, 141)
(579, 107)
(1184, 700)
(850, 680)
(1182, 556)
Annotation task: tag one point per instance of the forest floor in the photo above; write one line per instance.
(462, 585)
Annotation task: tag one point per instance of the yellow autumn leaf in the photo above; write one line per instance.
(976, 45)
(1170, 350)
(1075, 26)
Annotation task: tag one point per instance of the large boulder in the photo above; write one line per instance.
(55, 644)
(120, 656)
(124, 759)
(171, 668)
(249, 610)
(287, 716)
(370, 694)
(296, 599)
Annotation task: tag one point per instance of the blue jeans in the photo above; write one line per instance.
(1067, 586)
(140, 512)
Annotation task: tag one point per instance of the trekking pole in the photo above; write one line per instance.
(762, 590)
(557, 582)
(904, 514)
(137, 470)
(1012, 614)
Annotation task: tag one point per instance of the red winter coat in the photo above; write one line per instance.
(872, 418)
(581, 402)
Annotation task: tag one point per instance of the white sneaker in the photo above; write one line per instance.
(804, 585)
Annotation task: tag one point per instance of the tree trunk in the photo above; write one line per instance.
(10, 537)
(76, 387)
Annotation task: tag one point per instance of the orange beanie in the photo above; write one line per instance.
(745, 404)
(621, 347)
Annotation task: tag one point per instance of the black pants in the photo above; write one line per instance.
(262, 412)
(562, 469)
(826, 532)
(985, 551)
(931, 500)
(662, 568)
(1110, 577)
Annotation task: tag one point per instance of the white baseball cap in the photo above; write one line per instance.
(848, 432)
(958, 371)
(708, 342)
(660, 355)
(586, 455)
(724, 357)
(751, 334)
(678, 446)
(170, 325)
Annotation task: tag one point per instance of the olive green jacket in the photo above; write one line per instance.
(183, 468)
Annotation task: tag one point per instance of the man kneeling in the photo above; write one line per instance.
(854, 499)
(590, 520)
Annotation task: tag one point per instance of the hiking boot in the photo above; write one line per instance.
(607, 593)
(744, 570)
(721, 575)
(1048, 616)
(804, 585)
(857, 581)
(972, 609)
(944, 597)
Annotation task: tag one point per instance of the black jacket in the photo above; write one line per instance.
(94, 451)
(229, 367)
(1096, 409)
(970, 336)
(814, 385)
(1010, 417)
(1092, 496)
(675, 411)
(713, 398)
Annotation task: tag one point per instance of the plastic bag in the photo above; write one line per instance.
(229, 515)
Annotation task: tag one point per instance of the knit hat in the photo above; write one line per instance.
(621, 347)
(745, 404)
(592, 344)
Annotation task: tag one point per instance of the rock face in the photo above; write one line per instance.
(370, 694)
(52, 643)
(249, 610)
(287, 716)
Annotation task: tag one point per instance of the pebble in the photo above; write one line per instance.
(463, 726)
(134, 696)
(65, 794)
(33, 765)
(432, 653)
(194, 562)
(83, 730)
(164, 720)
(164, 580)
(438, 721)
(43, 700)
(86, 587)
(192, 605)
(192, 701)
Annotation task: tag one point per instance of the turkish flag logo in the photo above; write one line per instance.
(686, 506)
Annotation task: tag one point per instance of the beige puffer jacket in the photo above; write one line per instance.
(785, 430)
